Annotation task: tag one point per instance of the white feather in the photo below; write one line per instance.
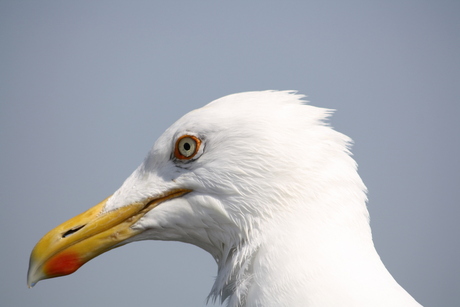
(276, 200)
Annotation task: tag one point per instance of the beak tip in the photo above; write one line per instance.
(34, 275)
(31, 282)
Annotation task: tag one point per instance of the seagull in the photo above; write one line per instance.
(261, 182)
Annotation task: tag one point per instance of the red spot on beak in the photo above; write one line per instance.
(64, 263)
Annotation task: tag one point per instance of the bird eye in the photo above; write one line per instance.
(187, 147)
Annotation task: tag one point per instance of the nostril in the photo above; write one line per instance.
(72, 231)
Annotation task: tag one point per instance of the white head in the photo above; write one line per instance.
(259, 152)
(243, 174)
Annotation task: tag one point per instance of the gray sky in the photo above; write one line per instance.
(87, 86)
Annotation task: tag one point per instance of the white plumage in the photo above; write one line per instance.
(274, 197)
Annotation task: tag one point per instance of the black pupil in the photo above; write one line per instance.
(187, 146)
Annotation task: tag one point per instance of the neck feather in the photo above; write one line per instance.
(304, 257)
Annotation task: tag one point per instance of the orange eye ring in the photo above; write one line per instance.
(187, 146)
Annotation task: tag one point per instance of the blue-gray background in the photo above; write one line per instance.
(87, 86)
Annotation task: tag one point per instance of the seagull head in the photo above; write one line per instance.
(228, 177)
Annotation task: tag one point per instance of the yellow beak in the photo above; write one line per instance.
(73, 243)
